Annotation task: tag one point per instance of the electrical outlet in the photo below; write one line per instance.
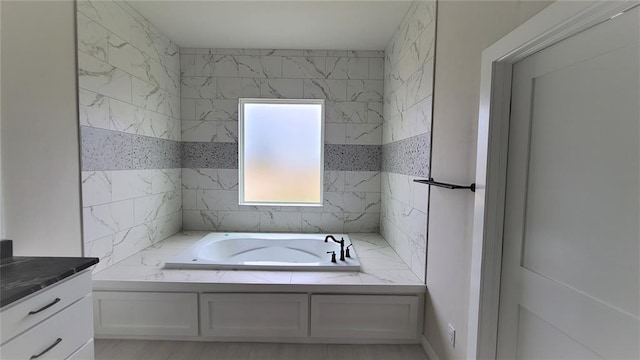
(452, 336)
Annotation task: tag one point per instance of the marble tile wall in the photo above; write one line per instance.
(406, 134)
(352, 84)
(129, 106)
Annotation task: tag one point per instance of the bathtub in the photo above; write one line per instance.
(265, 251)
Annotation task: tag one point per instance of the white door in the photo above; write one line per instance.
(570, 273)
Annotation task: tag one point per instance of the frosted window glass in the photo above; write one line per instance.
(281, 152)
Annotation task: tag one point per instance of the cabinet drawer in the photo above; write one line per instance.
(62, 334)
(145, 313)
(86, 352)
(364, 316)
(254, 315)
(16, 318)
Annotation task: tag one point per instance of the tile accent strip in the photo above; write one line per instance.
(113, 150)
(408, 156)
(352, 157)
(212, 155)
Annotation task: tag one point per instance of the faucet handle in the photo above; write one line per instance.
(348, 254)
(333, 256)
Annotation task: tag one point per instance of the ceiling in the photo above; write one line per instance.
(293, 24)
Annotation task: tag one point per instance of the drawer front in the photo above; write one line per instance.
(145, 313)
(57, 337)
(16, 318)
(254, 315)
(365, 317)
(86, 352)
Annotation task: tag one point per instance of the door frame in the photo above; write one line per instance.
(555, 23)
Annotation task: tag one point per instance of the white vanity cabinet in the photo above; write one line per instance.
(53, 323)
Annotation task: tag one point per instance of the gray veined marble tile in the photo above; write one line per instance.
(201, 87)
(234, 88)
(334, 181)
(109, 15)
(334, 133)
(364, 134)
(189, 199)
(374, 202)
(93, 109)
(375, 112)
(106, 219)
(366, 53)
(129, 184)
(282, 88)
(217, 200)
(225, 51)
(364, 90)
(187, 109)
(228, 179)
(216, 109)
(125, 56)
(92, 38)
(362, 181)
(347, 68)
(271, 52)
(122, 117)
(102, 78)
(239, 220)
(362, 222)
(205, 131)
(96, 188)
(376, 68)
(165, 180)
(207, 179)
(328, 89)
(132, 240)
(353, 202)
(216, 65)
(259, 66)
(152, 97)
(346, 112)
(303, 67)
(281, 221)
(187, 65)
(324, 222)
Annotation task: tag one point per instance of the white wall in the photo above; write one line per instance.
(465, 28)
(40, 158)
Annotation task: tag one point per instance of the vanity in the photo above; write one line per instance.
(46, 308)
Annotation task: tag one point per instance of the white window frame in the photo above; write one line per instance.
(241, 103)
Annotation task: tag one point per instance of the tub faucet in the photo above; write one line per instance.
(341, 242)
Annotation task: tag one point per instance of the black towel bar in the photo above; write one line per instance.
(430, 181)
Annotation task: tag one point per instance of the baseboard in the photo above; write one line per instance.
(428, 349)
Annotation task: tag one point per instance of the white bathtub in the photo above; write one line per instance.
(265, 251)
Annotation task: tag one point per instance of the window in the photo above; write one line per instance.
(281, 151)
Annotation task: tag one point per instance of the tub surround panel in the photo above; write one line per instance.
(380, 266)
(114, 150)
(406, 134)
(351, 82)
(129, 106)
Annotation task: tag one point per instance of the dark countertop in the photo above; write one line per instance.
(24, 275)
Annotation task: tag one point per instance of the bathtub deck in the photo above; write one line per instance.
(382, 271)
